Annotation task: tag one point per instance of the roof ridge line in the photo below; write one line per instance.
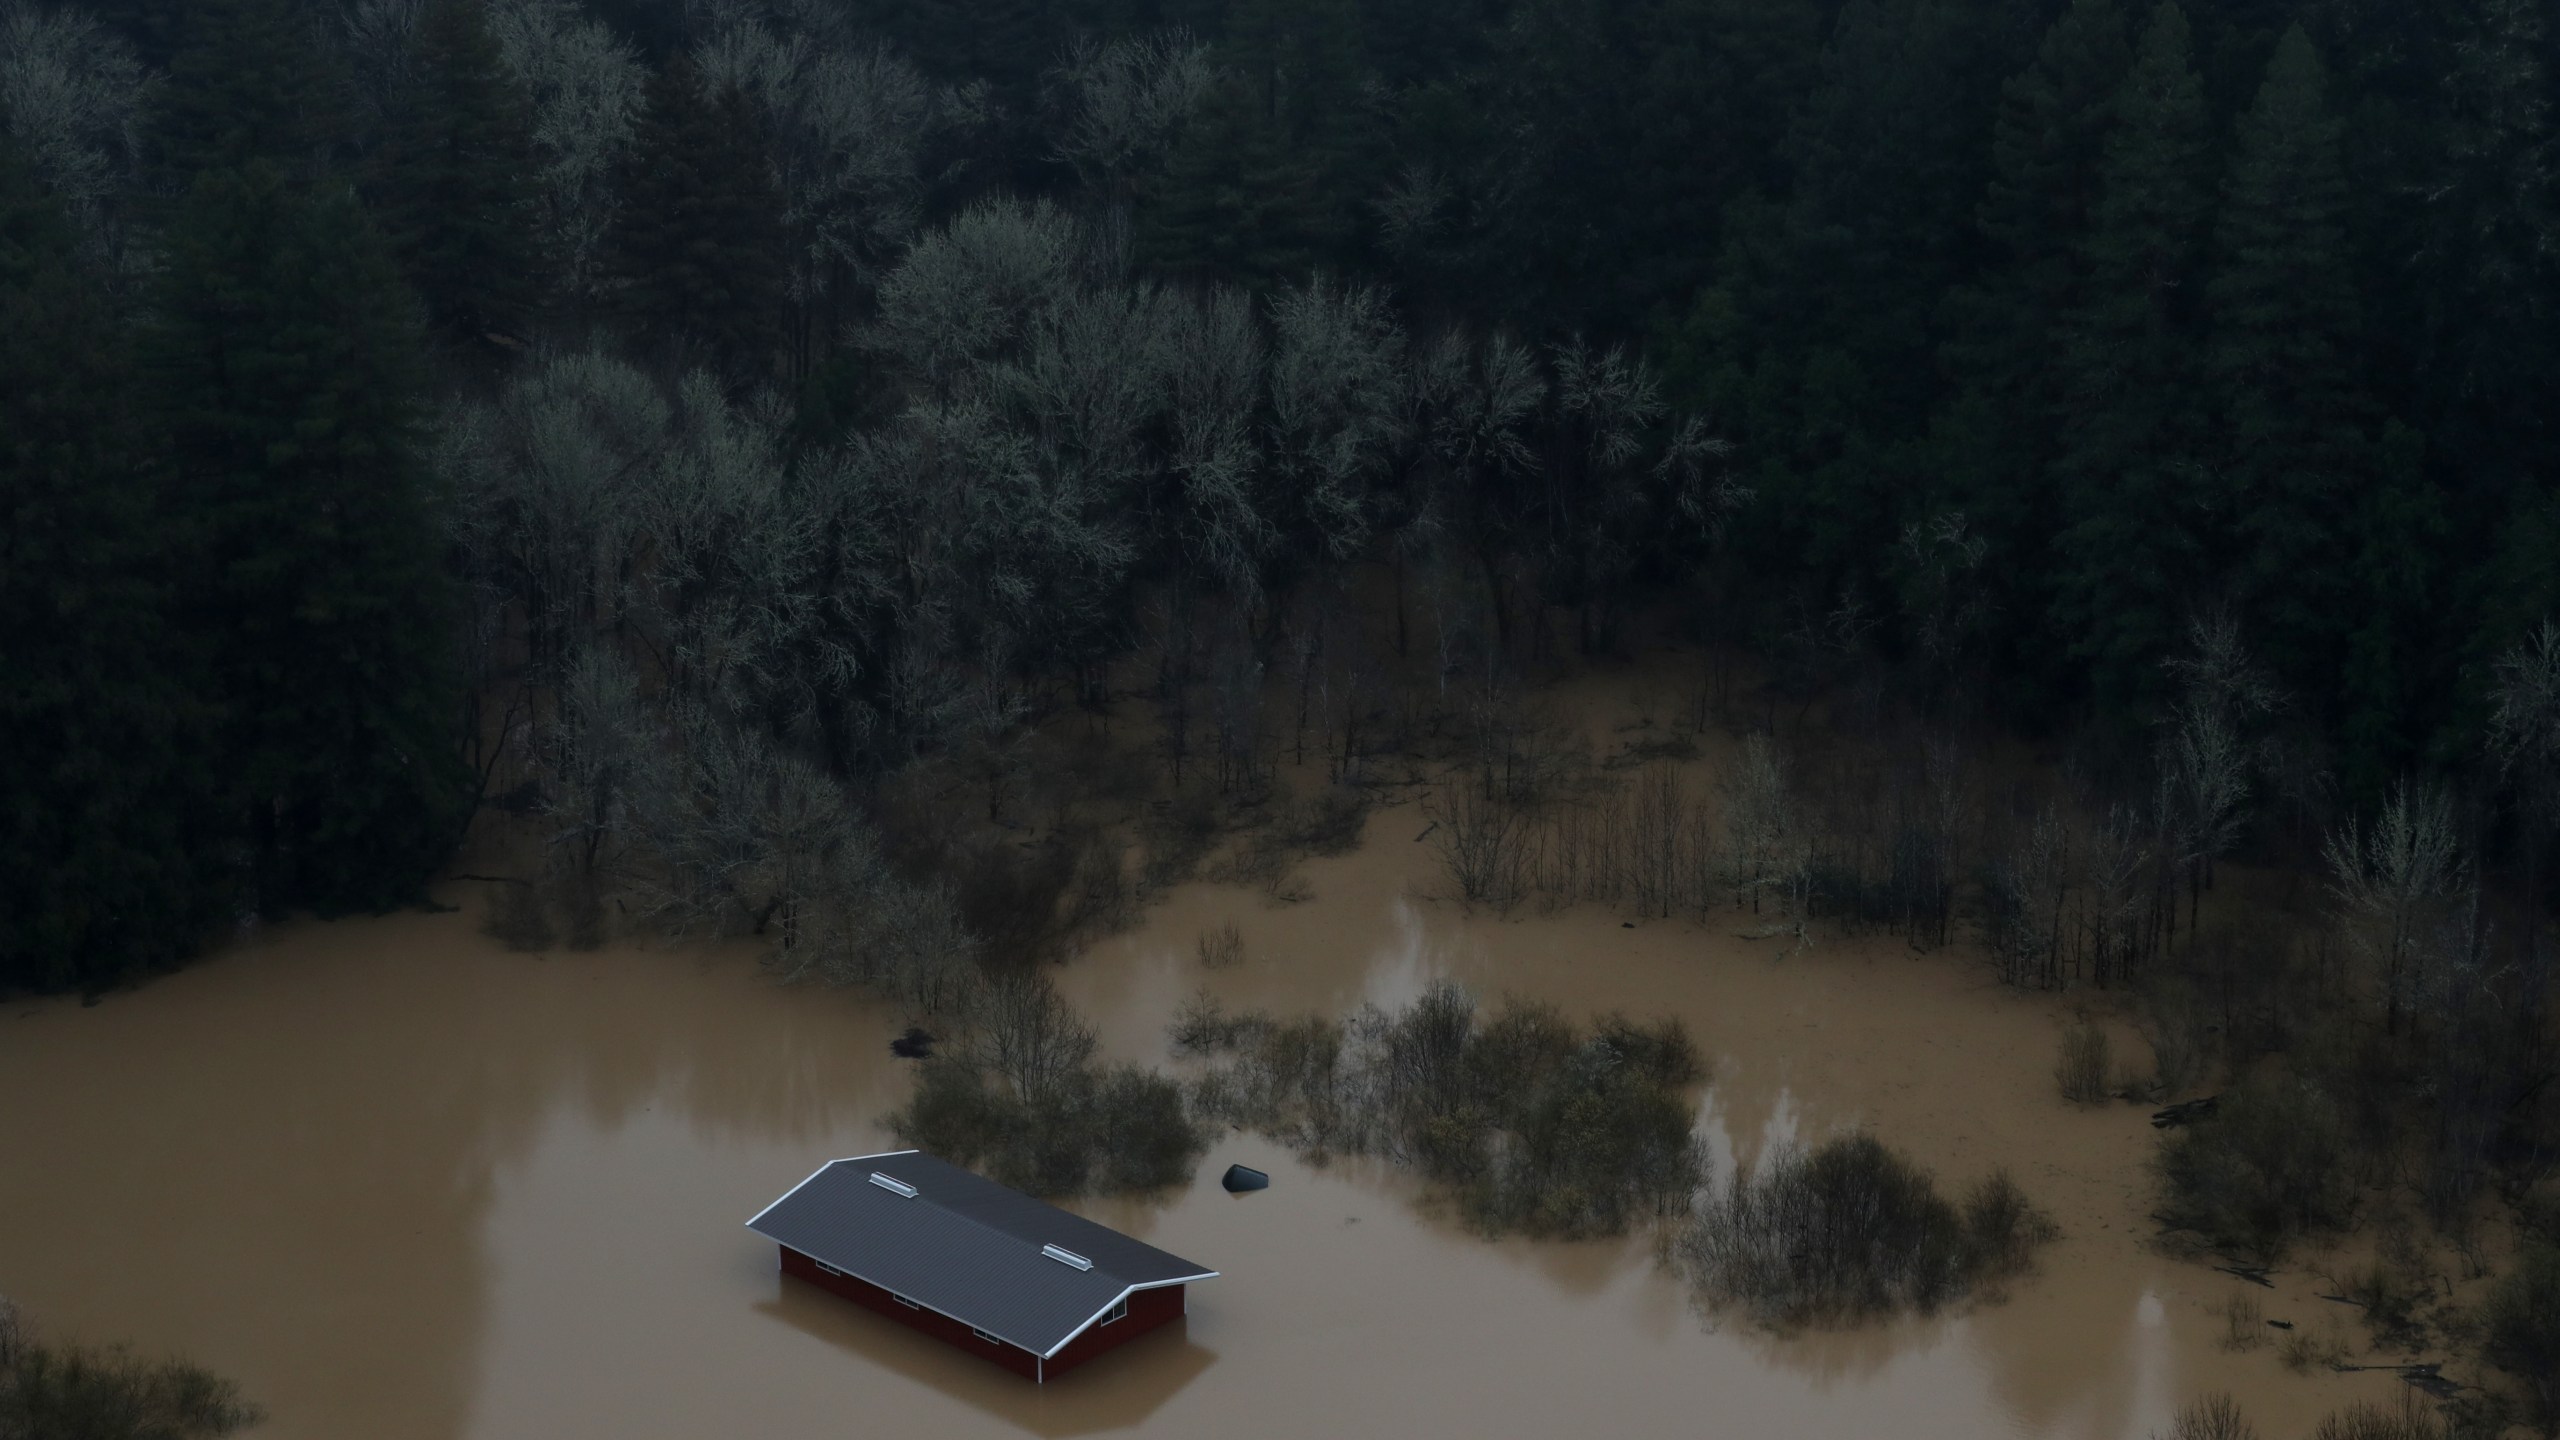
(968, 1219)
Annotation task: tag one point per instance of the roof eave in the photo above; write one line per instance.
(1089, 1321)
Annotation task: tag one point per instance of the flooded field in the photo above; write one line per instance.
(402, 1183)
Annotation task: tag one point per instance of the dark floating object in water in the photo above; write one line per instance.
(1240, 1178)
(916, 1044)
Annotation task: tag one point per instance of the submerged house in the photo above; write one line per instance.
(991, 1270)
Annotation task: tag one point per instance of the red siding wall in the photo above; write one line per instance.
(863, 1292)
(1147, 1310)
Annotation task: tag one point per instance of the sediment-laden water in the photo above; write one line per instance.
(401, 1183)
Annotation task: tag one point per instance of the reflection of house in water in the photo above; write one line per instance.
(995, 1272)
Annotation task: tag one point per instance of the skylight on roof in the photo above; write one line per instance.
(893, 1186)
(1066, 1257)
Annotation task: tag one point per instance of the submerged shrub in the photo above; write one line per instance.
(2524, 1330)
(2081, 1073)
(1529, 1122)
(1094, 1130)
(70, 1393)
(1022, 1099)
(2211, 1417)
(2274, 1161)
(1849, 1230)
(2367, 1421)
(518, 919)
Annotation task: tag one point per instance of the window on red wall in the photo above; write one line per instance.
(1117, 1312)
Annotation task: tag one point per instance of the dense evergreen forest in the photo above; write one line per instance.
(858, 377)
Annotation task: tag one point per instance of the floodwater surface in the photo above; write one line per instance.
(403, 1184)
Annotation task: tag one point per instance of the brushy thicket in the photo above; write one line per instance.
(2275, 1161)
(2367, 1421)
(68, 1393)
(2210, 1417)
(1531, 1122)
(2081, 1073)
(1120, 1128)
(1022, 1099)
(1849, 1230)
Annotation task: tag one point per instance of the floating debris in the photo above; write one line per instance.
(916, 1044)
(2185, 1112)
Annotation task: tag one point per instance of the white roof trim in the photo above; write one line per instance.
(814, 1174)
(1096, 1316)
(1047, 1354)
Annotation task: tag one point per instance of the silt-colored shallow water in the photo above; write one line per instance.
(403, 1184)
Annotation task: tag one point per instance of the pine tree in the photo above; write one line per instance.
(108, 861)
(2294, 450)
(698, 248)
(2137, 505)
(2006, 328)
(2046, 151)
(247, 82)
(284, 364)
(1236, 202)
(448, 183)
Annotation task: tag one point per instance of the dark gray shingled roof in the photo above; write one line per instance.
(967, 1247)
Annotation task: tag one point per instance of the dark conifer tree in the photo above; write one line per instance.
(2138, 504)
(284, 364)
(1996, 437)
(249, 81)
(447, 184)
(1236, 201)
(110, 854)
(697, 250)
(2046, 148)
(2295, 452)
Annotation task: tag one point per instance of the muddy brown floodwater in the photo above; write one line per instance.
(405, 1185)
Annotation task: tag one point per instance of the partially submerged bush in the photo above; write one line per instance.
(1530, 1122)
(1850, 1230)
(1115, 1129)
(70, 1393)
(517, 917)
(2211, 1417)
(1221, 946)
(2524, 1330)
(2314, 1347)
(2081, 1073)
(2244, 1322)
(2273, 1162)
(1022, 1099)
(2365, 1420)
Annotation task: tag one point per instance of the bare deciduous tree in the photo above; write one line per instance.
(849, 125)
(2390, 879)
(2205, 779)
(584, 86)
(72, 95)
(1766, 851)
(1028, 1036)
(1122, 101)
